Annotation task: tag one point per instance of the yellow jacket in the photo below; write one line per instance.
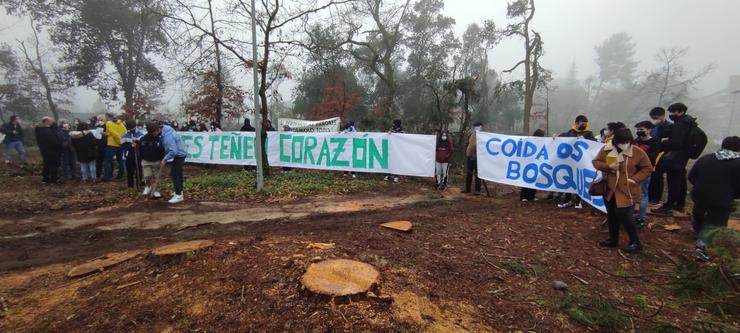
(114, 131)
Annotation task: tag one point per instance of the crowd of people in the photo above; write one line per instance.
(635, 169)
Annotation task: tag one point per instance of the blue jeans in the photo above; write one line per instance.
(68, 163)
(111, 152)
(18, 147)
(87, 170)
(644, 199)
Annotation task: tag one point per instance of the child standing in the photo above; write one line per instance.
(651, 146)
(151, 153)
(130, 154)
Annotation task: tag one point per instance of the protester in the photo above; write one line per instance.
(580, 130)
(528, 194)
(472, 165)
(152, 153)
(676, 157)
(69, 161)
(48, 139)
(114, 131)
(349, 128)
(215, 126)
(396, 128)
(247, 127)
(192, 126)
(442, 159)
(651, 146)
(131, 154)
(716, 181)
(86, 151)
(603, 134)
(625, 169)
(661, 129)
(202, 127)
(98, 124)
(13, 140)
(175, 155)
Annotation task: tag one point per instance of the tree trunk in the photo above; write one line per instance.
(219, 71)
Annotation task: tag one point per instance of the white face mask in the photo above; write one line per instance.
(477, 128)
(623, 146)
(656, 121)
(444, 137)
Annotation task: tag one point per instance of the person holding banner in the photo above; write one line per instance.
(581, 130)
(442, 159)
(396, 128)
(472, 163)
(625, 168)
(349, 128)
(528, 194)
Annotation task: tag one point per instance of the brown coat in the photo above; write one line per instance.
(471, 151)
(625, 184)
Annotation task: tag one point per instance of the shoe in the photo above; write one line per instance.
(177, 198)
(386, 178)
(578, 206)
(147, 190)
(443, 187)
(701, 254)
(566, 204)
(156, 195)
(525, 200)
(633, 248)
(344, 175)
(395, 179)
(639, 223)
(608, 243)
(663, 210)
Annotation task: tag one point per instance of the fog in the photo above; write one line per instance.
(570, 30)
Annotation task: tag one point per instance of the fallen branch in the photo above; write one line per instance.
(668, 255)
(494, 265)
(579, 279)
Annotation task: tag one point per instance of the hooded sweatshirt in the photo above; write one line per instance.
(575, 132)
(716, 178)
(171, 143)
(115, 131)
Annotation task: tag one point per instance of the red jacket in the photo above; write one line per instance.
(444, 151)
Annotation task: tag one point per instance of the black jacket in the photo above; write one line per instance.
(13, 132)
(716, 182)
(49, 140)
(150, 148)
(677, 145)
(652, 146)
(572, 133)
(86, 148)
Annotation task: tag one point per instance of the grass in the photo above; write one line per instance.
(521, 269)
(595, 312)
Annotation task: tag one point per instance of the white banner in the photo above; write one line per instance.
(319, 126)
(556, 165)
(397, 154)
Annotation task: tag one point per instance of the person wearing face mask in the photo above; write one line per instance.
(442, 159)
(69, 161)
(581, 130)
(396, 128)
(472, 164)
(625, 168)
(676, 146)
(651, 146)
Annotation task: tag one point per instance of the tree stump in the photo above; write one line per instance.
(101, 263)
(340, 277)
(404, 226)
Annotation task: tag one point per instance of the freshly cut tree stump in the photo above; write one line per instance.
(101, 263)
(398, 225)
(182, 247)
(340, 277)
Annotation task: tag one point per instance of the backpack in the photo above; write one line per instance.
(697, 142)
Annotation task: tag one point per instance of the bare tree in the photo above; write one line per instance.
(672, 81)
(524, 10)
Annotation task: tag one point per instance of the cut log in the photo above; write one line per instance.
(182, 247)
(340, 277)
(101, 263)
(672, 227)
(398, 225)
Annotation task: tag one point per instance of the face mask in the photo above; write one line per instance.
(477, 128)
(641, 134)
(444, 138)
(581, 127)
(674, 117)
(656, 121)
(623, 146)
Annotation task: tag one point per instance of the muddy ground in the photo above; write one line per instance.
(470, 264)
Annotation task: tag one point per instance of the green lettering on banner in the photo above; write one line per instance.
(359, 159)
(324, 154)
(224, 148)
(248, 146)
(381, 156)
(199, 144)
(213, 139)
(185, 138)
(311, 143)
(297, 139)
(283, 157)
(236, 148)
(335, 161)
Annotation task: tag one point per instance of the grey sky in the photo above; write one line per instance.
(571, 29)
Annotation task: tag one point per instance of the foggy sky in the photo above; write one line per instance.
(570, 29)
